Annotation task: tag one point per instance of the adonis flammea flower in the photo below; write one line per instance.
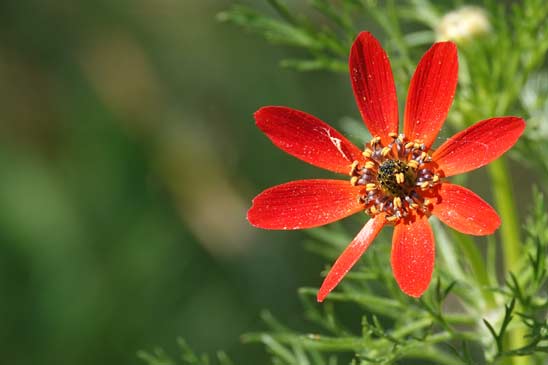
(397, 179)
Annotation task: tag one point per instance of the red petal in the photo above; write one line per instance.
(478, 145)
(307, 138)
(351, 255)
(431, 92)
(373, 86)
(304, 204)
(413, 255)
(464, 211)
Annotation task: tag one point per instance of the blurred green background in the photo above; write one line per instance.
(129, 157)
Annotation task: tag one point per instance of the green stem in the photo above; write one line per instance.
(509, 232)
(433, 354)
(412, 327)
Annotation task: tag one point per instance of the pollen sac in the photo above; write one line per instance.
(395, 178)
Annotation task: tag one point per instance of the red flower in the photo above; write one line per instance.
(398, 179)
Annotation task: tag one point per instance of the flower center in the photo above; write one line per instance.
(396, 178)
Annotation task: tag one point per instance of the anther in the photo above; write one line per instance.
(370, 186)
(400, 178)
(392, 218)
(354, 180)
(353, 167)
(424, 184)
(393, 135)
(397, 202)
(369, 165)
(409, 145)
(413, 164)
(385, 151)
(367, 153)
(375, 141)
(435, 178)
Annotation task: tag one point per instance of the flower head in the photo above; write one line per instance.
(397, 178)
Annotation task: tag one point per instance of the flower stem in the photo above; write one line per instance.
(509, 233)
(504, 201)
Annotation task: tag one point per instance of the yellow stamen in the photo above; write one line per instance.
(354, 180)
(370, 187)
(393, 135)
(369, 165)
(353, 167)
(409, 145)
(424, 184)
(367, 153)
(397, 201)
(392, 218)
(375, 140)
(385, 151)
(400, 178)
(413, 164)
(435, 178)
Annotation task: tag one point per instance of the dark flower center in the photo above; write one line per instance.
(388, 174)
(396, 178)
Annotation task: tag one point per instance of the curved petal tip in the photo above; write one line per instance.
(351, 255)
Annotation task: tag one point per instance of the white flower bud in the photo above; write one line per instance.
(463, 24)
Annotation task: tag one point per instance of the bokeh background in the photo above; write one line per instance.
(128, 159)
